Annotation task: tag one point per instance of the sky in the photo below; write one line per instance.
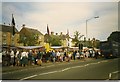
(63, 16)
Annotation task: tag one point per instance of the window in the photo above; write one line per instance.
(39, 42)
(12, 42)
(4, 43)
(4, 40)
(4, 35)
(39, 37)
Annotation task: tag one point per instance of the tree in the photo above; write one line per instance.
(77, 38)
(53, 40)
(29, 40)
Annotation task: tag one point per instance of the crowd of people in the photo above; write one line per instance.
(24, 57)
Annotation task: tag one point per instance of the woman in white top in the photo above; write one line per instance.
(58, 56)
(12, 57)
(24, 57)
(17, 58)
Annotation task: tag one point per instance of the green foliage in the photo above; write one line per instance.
(54, 40)
(77, 37)
(29, 40)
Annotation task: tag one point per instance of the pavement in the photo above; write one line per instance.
(12, 68)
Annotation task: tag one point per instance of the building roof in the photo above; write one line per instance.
(62, 36)
(56, 47)
(33, 31)
(6, 28)
(29, 47)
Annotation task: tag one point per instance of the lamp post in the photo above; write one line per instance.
(87, 27)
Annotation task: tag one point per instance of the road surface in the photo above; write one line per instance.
(91, 69)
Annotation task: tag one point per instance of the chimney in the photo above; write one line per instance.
(23, 25)
(88, 39)
(61, 33)
(52, 33)
(84, 38)
(56, 33)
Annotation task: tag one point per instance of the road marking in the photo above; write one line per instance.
(66, 69)
(54, 71)
(48, 73)
(38, 74)
(110, 74)
(29, 77)
(51, 66)
(115, 72)
(51, 72)
(98, 62)
(86, 65)
(54, 65)
(77, 66)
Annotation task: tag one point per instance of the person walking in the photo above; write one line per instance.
(69, 56)
(47, 56)
(87, 54)
(96, 54)
(7, 58)
(61, 56)
(35, 56)
(24, 57)
(78, 55)
(18, 56)
(39, 58)
(65, 55)
(30, 57)
(53, 56)
(58, 56)
(12, 57)
(74, 54)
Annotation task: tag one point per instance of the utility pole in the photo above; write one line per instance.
(87, 25)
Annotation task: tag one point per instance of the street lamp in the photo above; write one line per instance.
(86, 25)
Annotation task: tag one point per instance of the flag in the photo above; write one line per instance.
(13, 24)
(48, 30)
(67, 32)
(13, 21)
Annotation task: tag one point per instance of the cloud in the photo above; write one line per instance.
(61, 16)
(59, 13)
(61, 1)
(0, 12)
